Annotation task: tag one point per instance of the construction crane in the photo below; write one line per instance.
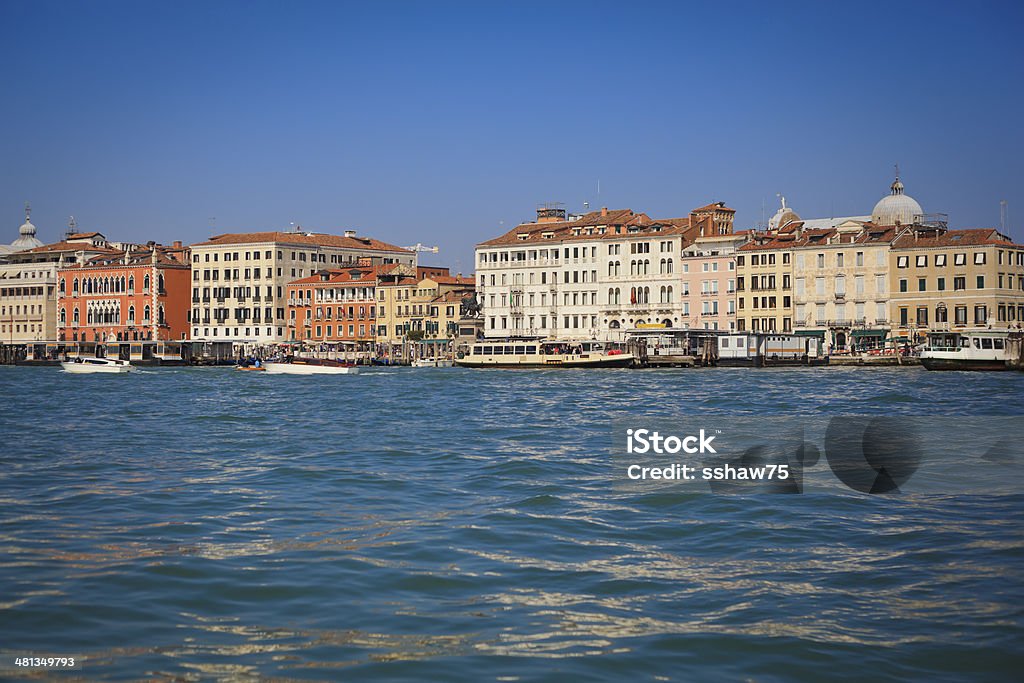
(420, 249)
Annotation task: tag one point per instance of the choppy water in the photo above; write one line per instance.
(462, 525)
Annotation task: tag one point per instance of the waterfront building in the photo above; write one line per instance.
(129, 295)
(945, 279)
(708, 282)
(590, 276)
(336, 306)
(419, 304)
(239, 279)
(28, 287)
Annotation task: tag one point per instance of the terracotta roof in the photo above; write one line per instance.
(788, 238)
(565, 230)
(954, 238)
(115, 259)
(69, 246)
(714, 206)
(368, 275)
(83, 235)
(301, 238)
(453, 280)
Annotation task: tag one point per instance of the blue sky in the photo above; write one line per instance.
(447, 123)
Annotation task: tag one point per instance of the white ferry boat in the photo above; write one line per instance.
(309, 366)
(972, 349)
(542, 354)
(81, 366)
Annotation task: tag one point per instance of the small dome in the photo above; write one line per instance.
(782, 217)
(896, 208)
(27, 240)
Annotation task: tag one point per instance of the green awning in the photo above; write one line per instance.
(810, 333)
(870, 333)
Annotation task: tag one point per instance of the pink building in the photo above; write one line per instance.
(708, 274)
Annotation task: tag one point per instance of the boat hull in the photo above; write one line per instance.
(988, 365)
(624, 360)
(426, 363)
(304, 369)
(91, 368)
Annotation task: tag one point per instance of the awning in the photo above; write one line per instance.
(870, 333)
(810, 333)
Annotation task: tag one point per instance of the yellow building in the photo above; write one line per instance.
(952, 279)
(419, 303)
(764, 284)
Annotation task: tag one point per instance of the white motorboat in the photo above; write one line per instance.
(309, 366)
(92, 365)
(433, 363)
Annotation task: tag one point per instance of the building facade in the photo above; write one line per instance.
(954, 279)
(123, 296)
(592, 276)
(334, 306)
(419, 304)
(28, 285)
(239, 280)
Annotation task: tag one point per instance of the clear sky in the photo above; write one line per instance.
(447, 123)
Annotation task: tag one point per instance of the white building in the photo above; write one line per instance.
(239, 279)
(592, 276)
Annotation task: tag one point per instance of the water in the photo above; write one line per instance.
(449, 524)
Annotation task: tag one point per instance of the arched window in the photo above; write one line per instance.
(161, 315)
(160, 282)
(145, 312)
(74, 286)
(669, 266)
(611, 296)
(88, 317)
(618, 296)
(647, 266)
(611, 269)
(117, 315)
(131, 284)
(661, 299)
(145, 286)
(75, 316)
(63, 315)
(613, 325)
(63, 289)
(669, 291)
(131, 315)
(666, 322)
(661, 266)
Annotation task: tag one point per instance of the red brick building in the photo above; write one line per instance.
(334, 305)
(137, 294)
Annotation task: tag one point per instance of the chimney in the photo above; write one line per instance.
(177, 244)
(350, 233)
(604, 211)
(127, 254)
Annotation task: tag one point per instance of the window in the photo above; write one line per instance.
(940, 284)
(959, 283)
(903, 284)
(922, 284)
(860, 258)
(980, 315)
(981, 281)
(904, 317)
(940, 259)
(959, 259)
(922, 261)
(839, 259)
(979, 258)
(902, 261)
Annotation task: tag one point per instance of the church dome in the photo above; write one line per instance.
(27, 232)
(782, 217)
(896, 208)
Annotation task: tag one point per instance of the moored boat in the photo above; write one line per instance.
(432, 363)
(972, 349)
(543, 354)
(81, 366)
(296, 365)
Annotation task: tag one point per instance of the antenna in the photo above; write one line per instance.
(897, 171)
(72, 227)
(28, 212)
